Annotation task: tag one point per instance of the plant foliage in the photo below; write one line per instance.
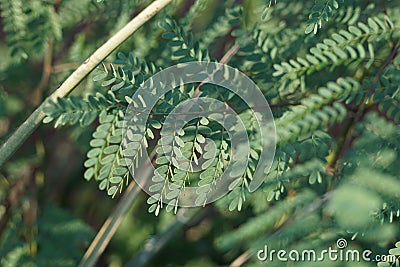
(334, 95)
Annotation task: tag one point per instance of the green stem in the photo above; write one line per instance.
(20, 135)
(33, 121)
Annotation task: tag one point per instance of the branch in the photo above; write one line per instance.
(37, 94)
(32, 122)
(349, 129)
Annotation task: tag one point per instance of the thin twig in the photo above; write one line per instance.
(46, 72)
(229, 54)
(242, 259)
(110, 226)
(65, 67)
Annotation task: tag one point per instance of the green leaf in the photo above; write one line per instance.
(89, 173)
(112, 190)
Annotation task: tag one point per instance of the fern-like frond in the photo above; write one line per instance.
(106, 162)
(16, 26)
(183, 47)
(128, 76)
(343, 47)
(261, 224)
(322, 10)
(348, 16)
(194, 11)
(73, 110)
(29, 26)
(314, 112)
(216, 156)
(44, 24)
(177, 158)
(75, 11)
(221, 27)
